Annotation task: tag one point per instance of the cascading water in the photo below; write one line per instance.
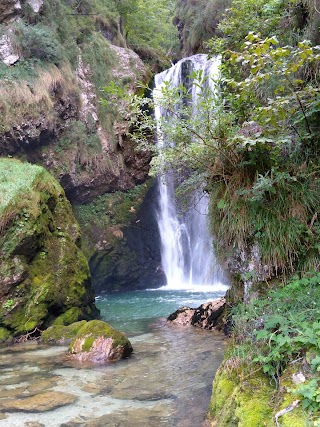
(187, 247)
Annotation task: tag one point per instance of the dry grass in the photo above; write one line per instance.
(21, 100)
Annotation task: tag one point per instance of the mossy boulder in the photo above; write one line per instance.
(98, 342)
(43, 272)
(60, 334)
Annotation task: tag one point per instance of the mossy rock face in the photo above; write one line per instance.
(125, 257)
(5, 335)
(60, 334)
(44, 274)
(241, 403)
(98, 342)
(241, 399)
(69, 317)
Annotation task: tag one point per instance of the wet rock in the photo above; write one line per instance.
(156, 416)
(98, 342)
(39, 403)
(206, 316)
(5, 392)
(134, 261)
(42, 385)
(182, 316)
(43, 273)
(34, 424)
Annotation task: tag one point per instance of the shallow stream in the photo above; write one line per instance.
(166, 382)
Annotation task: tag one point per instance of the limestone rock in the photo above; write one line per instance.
(98, 342)
(36, 5)
(8, 54)
(89, 101)
(298, 378)
(206, 316)
(42, 402)
(182, 316)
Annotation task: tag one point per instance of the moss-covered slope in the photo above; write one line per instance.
(43, 272)
(241, 400)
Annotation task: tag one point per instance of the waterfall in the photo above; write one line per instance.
(187, 254)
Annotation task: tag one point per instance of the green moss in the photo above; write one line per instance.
(5, 335)
(39, 250)
(60, 333)
(97, 328)
(223, 388)
(297, 417)
(67, 318)
(254, 403)
(242, 399)
(223, 403)
(86, 346)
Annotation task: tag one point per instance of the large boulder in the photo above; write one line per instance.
(43, 272)
(98, 342)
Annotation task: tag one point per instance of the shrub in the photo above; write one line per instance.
(281, 329)
(38, 42)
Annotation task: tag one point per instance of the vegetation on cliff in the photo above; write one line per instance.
(43, 273)
(55, 58)
(197, 22)
(256, 145)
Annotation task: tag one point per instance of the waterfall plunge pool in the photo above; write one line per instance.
(134, 312)
(166, 382)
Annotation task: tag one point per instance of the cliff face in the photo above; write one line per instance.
(125, 256)
(197, 22)
(55, 60)
(43, 273)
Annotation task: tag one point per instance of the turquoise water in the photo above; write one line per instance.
(134, 312)
(166, 381)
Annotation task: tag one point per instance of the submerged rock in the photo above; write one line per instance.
(206, 316)
(98, 342)
(42, 402)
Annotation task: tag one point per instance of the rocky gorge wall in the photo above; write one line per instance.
(55, 58)
(44, 276)
(51, 103)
